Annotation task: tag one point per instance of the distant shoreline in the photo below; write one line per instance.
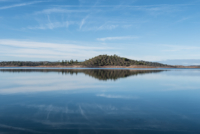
(80, 66)
(101, 61)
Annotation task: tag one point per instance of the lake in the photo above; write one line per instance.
(102, 101)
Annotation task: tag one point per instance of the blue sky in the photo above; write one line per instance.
(52, 30)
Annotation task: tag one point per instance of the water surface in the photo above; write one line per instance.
(99, 101)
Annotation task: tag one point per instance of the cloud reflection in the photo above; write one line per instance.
(117, 96)
(43, 80)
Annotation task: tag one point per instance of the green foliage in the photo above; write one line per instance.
(105, 60)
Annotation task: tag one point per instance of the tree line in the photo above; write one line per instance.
(38, 63)
(101, 60)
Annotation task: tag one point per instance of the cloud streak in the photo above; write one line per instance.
(83, 22)
(28, 49)
(52, 25)
(174, 48)
(19, 5)
(59, 10)
(117, 38)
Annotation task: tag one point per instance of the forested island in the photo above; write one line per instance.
(101, 61)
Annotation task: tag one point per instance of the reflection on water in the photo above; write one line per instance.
(96, 73)
(53, 101)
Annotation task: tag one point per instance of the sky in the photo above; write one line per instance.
(166, 31)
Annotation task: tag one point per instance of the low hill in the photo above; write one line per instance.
(105, 60)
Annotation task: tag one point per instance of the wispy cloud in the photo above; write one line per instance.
(99, 28)
(6, 0)
(30, 44)
(59, 10)
(183, 19)
(110, 27)
(49, 23)
(174, 48)
(159, 9)
(52, 25)
(83, 22)
(117, 38)
(41, 50)
(19, 5)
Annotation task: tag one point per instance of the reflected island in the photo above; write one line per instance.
(100, 74)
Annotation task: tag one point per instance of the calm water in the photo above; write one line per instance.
(84, 101)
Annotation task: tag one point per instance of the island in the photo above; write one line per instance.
(101, 61)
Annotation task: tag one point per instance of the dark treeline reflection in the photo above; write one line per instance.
(100, 74)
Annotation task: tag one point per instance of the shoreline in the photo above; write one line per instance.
(80, 66)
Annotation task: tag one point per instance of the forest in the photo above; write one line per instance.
(101, 60)
(114, 60)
